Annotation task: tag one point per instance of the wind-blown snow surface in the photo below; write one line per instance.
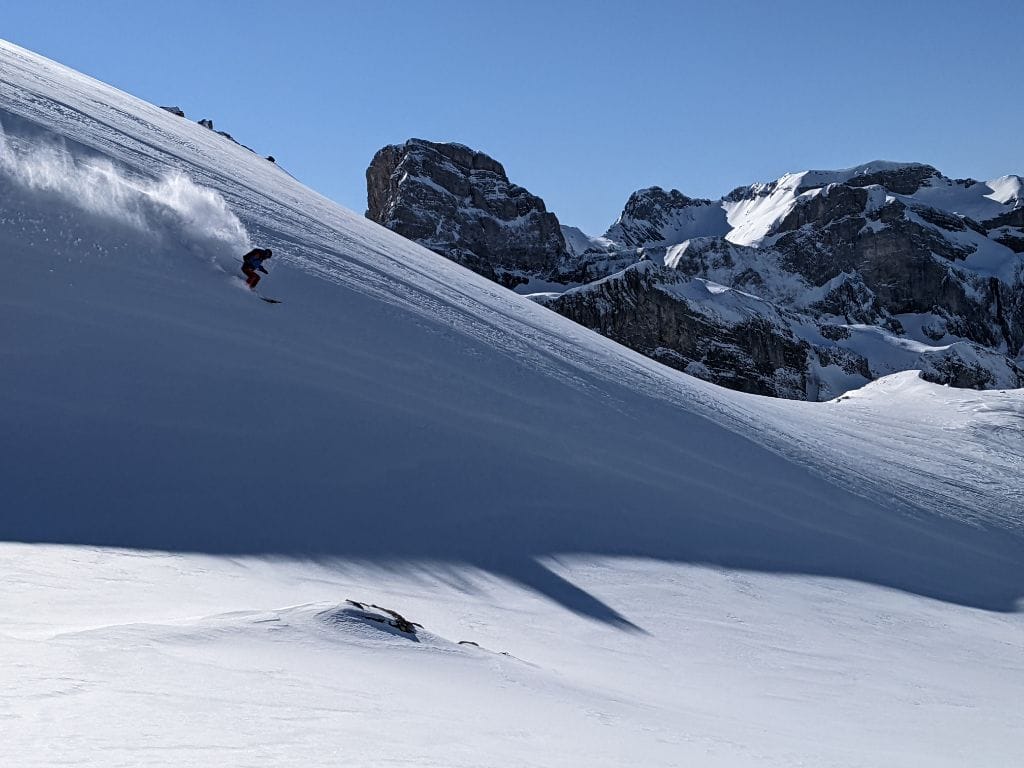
(194, 481)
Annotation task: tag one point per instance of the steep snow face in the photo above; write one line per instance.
(981, 201)
(757, 211)
(751, 218)
(194, 481)
(1006, 190)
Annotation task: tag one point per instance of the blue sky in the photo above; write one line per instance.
(583, 102)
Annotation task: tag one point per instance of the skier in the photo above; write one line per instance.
(253, 261)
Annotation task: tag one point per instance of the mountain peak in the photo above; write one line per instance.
(901, 178)
(459, 202)
(654, 216)
(459, 154)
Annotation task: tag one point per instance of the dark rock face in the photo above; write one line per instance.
(1008, 228)
(174, 111)
(895, 262)
(1012, 218)
(840, 202)
(1012, 241)
(653, 216)
(460, 204)
(850, 299)
(959, 373)
(903, 267)
(847, 360)
(905, 180)
(758, 349)
(758, 355)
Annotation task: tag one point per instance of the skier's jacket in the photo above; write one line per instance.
(254, 259)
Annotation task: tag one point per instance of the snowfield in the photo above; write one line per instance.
(646, 569)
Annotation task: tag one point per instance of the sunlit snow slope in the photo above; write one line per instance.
(194, 481)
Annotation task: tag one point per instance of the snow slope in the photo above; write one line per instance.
(195, 481)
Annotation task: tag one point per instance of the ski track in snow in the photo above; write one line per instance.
(112, 656)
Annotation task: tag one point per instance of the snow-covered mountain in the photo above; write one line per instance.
(843, 276)
(840, 283)
(612, 562)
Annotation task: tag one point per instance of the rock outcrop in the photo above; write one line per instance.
(461, 204)
(740, 342)
(654, 217)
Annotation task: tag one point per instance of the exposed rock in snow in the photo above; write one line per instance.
(208, 124)
(373, 613)
(901, 178)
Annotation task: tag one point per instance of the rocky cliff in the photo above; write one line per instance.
(461, 204)
(802, 287)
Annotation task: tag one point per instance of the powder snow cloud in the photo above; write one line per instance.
(171, 209)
